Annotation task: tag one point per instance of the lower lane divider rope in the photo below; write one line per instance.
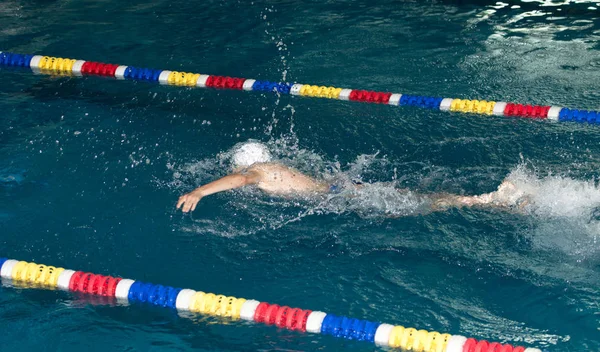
(284, 317)
(60, 66)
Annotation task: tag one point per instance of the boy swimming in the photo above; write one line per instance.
(252, 166)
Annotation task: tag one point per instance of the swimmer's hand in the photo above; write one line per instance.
(188, 201)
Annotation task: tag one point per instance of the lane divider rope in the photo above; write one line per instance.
(284, 317)
(61, 66)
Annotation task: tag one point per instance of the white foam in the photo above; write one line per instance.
(556, 196)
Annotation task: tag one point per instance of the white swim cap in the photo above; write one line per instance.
(250, 153)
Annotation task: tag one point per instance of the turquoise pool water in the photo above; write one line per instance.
(90, 170)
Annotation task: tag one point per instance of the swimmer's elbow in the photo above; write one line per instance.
(250, 178)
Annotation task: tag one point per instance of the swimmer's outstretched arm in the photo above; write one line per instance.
(189, 201)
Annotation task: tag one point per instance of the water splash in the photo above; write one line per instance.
(557, 196)
(565, 213)
(283, 68)
(562, 211)
(258, 211)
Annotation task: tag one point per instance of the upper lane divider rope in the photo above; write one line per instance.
(55, 65)
(284, 317)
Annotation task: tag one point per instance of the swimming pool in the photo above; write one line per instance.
(91, 169)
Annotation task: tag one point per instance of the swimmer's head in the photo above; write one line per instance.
(250, 153)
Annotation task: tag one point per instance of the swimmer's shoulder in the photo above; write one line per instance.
(269, 172)
(262, 171)
(269, 168)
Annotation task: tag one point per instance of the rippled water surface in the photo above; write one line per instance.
(90, 169)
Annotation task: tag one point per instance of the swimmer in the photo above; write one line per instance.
(253, 166)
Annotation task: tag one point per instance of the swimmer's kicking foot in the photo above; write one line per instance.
(252, 166)
(507, 195)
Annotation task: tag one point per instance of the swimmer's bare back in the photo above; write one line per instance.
(282, 180)
(271, 178)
